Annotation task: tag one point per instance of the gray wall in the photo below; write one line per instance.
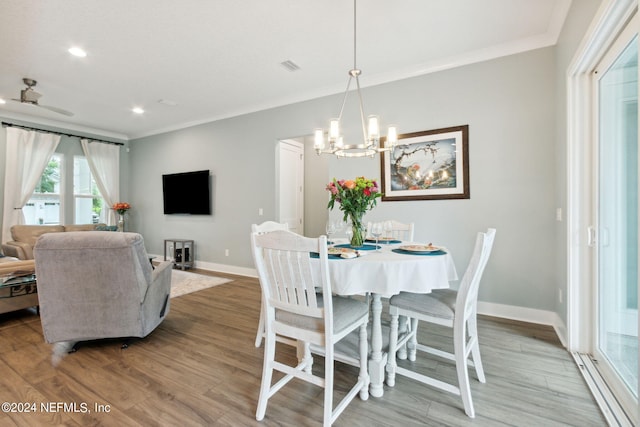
(509, 105)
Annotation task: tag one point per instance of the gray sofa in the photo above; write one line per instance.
(99, 285)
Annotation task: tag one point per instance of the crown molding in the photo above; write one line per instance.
(33, 120)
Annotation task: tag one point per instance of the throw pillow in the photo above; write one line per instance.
(107, 228)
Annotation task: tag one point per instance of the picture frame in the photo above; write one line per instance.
(427, 165)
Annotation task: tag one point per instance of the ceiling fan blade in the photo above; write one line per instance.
(56, 110)
(30, 96)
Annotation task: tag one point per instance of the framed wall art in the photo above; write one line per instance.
(427, 165)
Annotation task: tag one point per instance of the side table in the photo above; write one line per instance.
(182, 252)
(18, 293)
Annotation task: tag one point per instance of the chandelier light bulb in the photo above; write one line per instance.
(334, 129)
(392, 137)
(318, 143)
(374, 128)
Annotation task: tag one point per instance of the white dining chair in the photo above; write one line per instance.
(264, 228)
(399, 230)
(294, 309)
(447, 307)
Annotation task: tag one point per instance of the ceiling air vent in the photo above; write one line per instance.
(168, 102)
(290, 65)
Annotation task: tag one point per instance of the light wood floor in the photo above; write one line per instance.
(200, 367)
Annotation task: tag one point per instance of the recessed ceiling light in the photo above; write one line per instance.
(137, 110)
(76, 51)
(2, 101)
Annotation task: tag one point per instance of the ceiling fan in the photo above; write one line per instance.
(30, 96)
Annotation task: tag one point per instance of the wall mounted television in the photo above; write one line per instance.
(186, 193)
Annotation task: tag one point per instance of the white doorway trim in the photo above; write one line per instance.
(290, 184)
(611, 17)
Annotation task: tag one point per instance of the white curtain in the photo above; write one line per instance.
(28, 153)
(104, 162)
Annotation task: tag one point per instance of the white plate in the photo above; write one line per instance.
(349, 255)
(339, 251)
(420, 248)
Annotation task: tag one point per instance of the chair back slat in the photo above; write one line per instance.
(470, 284)
(262, 228)
(290, 278)
(283, 260)
(268, 226)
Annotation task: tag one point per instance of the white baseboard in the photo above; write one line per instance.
(222, 268)
(524, 314)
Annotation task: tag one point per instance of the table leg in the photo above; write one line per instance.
(378, 359)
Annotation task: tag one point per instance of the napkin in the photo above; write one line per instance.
(349, 255)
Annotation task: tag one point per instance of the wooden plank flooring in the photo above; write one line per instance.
(200, 368)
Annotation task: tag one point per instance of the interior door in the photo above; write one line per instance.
(290, 185)
(616, 213)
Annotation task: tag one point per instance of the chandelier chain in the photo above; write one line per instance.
(354, 35)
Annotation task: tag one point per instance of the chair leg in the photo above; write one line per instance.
(475, 349)
(459, 346)
(267, 372)
(328, 387)
(260, 332)
(403, 327)
(364, 362)
(393, 344)
(412, 344)
(304, 356)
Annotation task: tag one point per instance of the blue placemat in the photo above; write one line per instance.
(400, 251)
(330, 256)
(384, 242)
(359, 248)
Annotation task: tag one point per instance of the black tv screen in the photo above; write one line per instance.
(186, 193)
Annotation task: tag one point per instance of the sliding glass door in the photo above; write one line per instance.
(616, 328)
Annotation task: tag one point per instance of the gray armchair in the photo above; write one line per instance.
(98, 285)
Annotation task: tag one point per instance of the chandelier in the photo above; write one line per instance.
(370, 144)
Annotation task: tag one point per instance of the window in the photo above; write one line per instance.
(44, 205)
(88, 202)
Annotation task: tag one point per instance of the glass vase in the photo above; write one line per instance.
(357, 238)
(121, 222)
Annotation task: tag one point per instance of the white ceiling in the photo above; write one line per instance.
(217, 59)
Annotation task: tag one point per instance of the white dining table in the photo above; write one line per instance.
(385, 273)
